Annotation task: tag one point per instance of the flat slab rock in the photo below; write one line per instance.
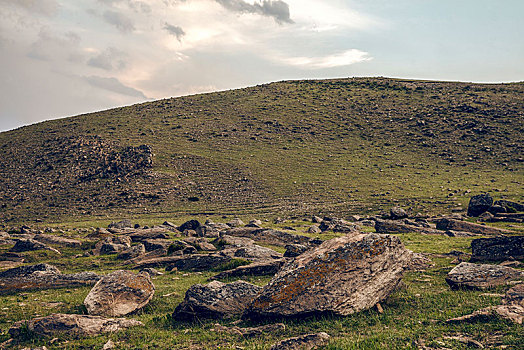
(119, 293)
(390, 226)
(497, 248)
(458, 225)
(57, 240)
(268, 236)
(481, 276)
(303, 342)
(342, 276)
(195, 262)
(26, 245)
(71, 325)
(42, 276)
(252, 252)
(216, 300)
(263, 268)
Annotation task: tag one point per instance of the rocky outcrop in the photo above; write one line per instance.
(342, 276)
(216, 300)
(481, 276)
(479, 204)
(497, 248)
(42, 276)
(264, 268)
(457, 225)
(268, 236)
(303, 342)
(71, 325)
(119, 294)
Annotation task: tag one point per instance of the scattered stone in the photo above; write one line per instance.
(26, 245)
(225, 240)
(337, 225)
(112, 248)
(452, 233)
(479, 204)
(497, 248)
(236, 222)
(119, 293)
(200, 243)
(485, 217)
(390, 226)
(268, 236)
(419, 262)
(133, 252)
(252, 252)
(316, 219)
(189, 225)
(153, 244)
(197, 262)
(303, 342)
(342, 276)
(314, 229)
(457, 225)
(181, 248)
(397, 213)
(481, 276)
(57, 240)
(42, 276)
(293, 250)
(216, 300)
(108, 345)
(126, 223)
(71, 325)
(255, 223)
(250, 332)
(151, 233)
(263, 268)
(151, 271)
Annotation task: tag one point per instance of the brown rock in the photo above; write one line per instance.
(390, 226)
(133, 252)
(151, 233)
(119, 294)
(25, 245)
(303, 342)
(71, 325)
(268, 236)
(481, 276)
(457, 225)
(57, 240)
(342, 276)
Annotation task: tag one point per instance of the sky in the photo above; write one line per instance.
(60, 58)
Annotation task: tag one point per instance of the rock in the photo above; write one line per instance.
(26, 245)
(42, 276)
(497, 248)
(479, 204)
(485, 217)
(74, 326)
(216, 300)
(225, 240)
(126, 223)
(451, 233)
(151, 233)
(512, 309)
(419, 262)
(316, 219)
(267, 236)
(100, 233)
(481, 276)
(255, 223)
(181, 247)
(252, 252)
(262, 268)
(293, 250)
(197, 262)
(303, 342)
(209, 231)
(57, 240)
(250, 332)
(314, 229)
(119, 293)
(133, 252)
(112, 248)
(236, 222)
(153, 244)
(457, 225)
(397, 213)
(337, 225)
(496, 209)
(200, 243)
(368, 223)
(510, 206)
(390, 226)
(341, 276)
(108, 345)
(189, 225)
(151, 271)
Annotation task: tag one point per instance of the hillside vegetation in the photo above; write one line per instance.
(287, 148)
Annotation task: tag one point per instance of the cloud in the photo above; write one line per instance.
(175, 30)
(110, 59)
(120, 21)
(278, 10)
(114, 85)
(138, 6)
(44, 7)
(345, 58)
(49, 46)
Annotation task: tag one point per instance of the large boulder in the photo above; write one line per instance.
(133, 252)
(509, 205)
(446, 224)
(479, 204)
(42, 276)
(481, 276)
(337, 225)
(119, 294)
(216, 300)
(341, 276)
(397, 213)
(71, 326)
(497, 248)
(189, 225)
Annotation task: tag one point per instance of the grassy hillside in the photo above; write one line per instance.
(286, 148)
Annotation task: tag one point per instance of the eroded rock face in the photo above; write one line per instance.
(497, 248)
(119, 294)
(303, 342)
(216, 300)
(341, 276)
(480, 276)
(42, 276)
(71, 325)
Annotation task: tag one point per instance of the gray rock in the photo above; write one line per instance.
(341, 276)
(303, 342)
(397, 213)
(151, 271)
(119, 293)
(226, 240)
(510, 206)
(255, 223)
(497, 248)
(316, 219)
(200, 243)
(189, 225)
(479, 204)
(457, 225)
(216, 300)
(268, 236)
(181, 248)
(196, 262)
(338, 225)
(133, 252)
(26, 245)
(390, 226)
(314, 229)
(252, 252)
(112, 248)
(151, 233)
(293, 250)
(57, 240)
(236, 222)
(153, 244)
(481, 276)
(74, 326)
(262, 268)
(126, 223)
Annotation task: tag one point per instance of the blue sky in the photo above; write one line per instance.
(66, 57)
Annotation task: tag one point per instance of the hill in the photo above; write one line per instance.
(286, 148)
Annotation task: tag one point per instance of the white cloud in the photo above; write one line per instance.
(42, 7)
(345, 58)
